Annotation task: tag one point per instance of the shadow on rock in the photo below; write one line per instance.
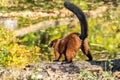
(76, 66)
(113, 65)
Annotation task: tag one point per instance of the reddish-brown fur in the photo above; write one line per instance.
(69, 46)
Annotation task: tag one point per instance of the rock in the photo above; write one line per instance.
(59, 71)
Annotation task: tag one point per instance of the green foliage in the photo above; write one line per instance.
(12, 54)
(104, 32)
(15, 5)
(27, 21)
(87, 75)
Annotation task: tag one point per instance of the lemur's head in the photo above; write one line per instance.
(53, 43)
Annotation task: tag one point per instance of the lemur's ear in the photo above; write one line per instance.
(52, 42)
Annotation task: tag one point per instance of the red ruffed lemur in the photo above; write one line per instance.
(70, 44)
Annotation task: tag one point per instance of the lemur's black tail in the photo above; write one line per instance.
(81, 16)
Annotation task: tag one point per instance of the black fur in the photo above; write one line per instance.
(81, 16)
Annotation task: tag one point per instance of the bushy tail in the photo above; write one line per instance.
(81, 16)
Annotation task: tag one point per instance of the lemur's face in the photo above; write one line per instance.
(52, 43)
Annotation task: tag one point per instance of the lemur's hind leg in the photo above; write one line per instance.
(57, 56)
(85, 49)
